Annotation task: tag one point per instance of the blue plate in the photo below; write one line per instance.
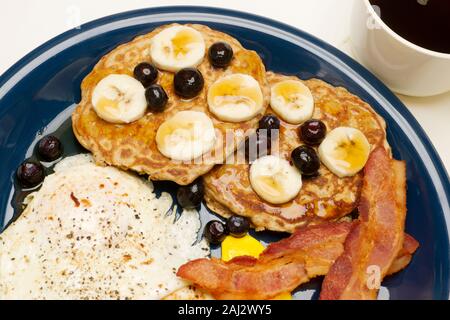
(39, 92)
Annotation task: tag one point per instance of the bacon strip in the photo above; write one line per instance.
(404, 257)
(282, 267)
(376, 240)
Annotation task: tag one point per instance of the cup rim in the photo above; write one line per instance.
(404, 41)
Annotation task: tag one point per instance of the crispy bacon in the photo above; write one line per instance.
(376, 240)
(282, 267)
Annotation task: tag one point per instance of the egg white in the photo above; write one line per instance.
(96, 232)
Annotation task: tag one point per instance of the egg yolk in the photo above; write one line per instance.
(246, 246)
(283, 296)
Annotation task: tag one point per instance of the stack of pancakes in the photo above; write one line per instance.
(228, 189)
(132, 146)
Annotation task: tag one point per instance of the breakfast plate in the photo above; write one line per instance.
(39, 94)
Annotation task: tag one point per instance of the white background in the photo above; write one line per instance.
(25, 24)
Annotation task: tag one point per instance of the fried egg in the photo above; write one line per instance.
(94, 232)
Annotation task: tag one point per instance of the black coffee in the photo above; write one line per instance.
(423, 22)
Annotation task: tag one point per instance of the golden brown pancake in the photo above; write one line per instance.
(326, 197)
(133, 146)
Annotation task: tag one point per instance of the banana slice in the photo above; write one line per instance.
(275, 180)
(235, 98)
(185, 136)
(292, 101)
(177, 47)
(345, 151)
(119, 98)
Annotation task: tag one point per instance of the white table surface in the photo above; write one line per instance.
(25, 24)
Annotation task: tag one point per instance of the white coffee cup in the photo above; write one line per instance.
(404, 67)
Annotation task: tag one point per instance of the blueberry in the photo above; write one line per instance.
(30, 174)
(220, 54)
(256, 146)
(238, 226)
(188, 83)
(156, 98)
(215, 232)
(190, 196)
(313, 132)
(269, 123)
(306, 160)
(146, 73)
(50, 148)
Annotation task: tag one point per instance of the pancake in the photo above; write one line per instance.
(326, 197)
(133, 146)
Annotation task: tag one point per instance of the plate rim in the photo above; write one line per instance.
(371, 83)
